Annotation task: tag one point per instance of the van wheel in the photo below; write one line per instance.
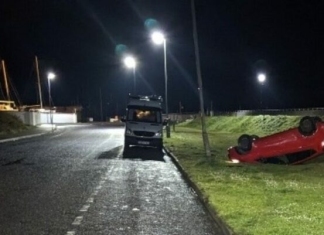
(126, 146)
(245, 142)
(160, 146)
(307, 126)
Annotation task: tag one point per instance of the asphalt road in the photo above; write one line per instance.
(79, 181)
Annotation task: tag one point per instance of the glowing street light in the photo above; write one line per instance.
(130, 62)
(261, 78)
(159, 38)
(50, 76)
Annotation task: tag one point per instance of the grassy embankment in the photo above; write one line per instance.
(252, 199)
(10, 124)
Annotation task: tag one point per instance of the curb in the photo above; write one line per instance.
(22, 137)
(217, 220)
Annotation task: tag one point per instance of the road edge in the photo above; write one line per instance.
(213, 214)
(21, 137)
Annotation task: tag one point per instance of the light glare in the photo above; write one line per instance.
(130, 62)
(158, 38)
(261, 78)
(51, 75)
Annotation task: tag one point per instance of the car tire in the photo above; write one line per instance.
(126, 146)
(307, 126)
(317, 119)
(240, 151)
(245, 142)
(255, 137)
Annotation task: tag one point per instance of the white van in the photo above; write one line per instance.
(143, 122)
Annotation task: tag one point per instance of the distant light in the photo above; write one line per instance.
(157, 37)
(50, 75)
(261, 78)
(130, 62)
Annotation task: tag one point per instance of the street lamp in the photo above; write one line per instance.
(159, 38)
(50, 76)
(130, 63)
(261, 78)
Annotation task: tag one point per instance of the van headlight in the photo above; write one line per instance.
(129, 132)
(158, 134)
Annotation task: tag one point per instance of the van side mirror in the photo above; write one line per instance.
(123, 119)
(165, 122)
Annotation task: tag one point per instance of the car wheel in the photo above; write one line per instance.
(317, 119)
(255, 137)
(307, 126)
(245, 142)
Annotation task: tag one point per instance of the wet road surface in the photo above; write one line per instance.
(79, 181)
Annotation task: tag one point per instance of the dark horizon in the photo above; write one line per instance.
(77, 40)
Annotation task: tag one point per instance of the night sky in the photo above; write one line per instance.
(77, 39)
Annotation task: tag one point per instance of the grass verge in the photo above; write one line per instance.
(252, 199)
(10, 124)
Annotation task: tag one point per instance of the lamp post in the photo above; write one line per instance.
(158, 38)
(130, 63)
(261, 79)
(50, 76)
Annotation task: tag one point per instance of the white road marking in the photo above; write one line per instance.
(98, 187)
(90, 200)
(95, 193)
(58, 135)
(85, 208)
(77, 220)
(137, 177)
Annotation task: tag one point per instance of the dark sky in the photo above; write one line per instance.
(77, 40)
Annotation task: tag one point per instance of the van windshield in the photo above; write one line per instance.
(144, 114)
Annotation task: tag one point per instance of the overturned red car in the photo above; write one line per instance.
(292, 146)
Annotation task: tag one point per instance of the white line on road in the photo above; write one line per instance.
(95, 193)
(85, 208)
(58, 135)
(77, 220)
(70, 233)
(98, 187)
(90, 200)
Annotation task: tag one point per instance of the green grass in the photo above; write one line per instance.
(10, 123)
(258, 198)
